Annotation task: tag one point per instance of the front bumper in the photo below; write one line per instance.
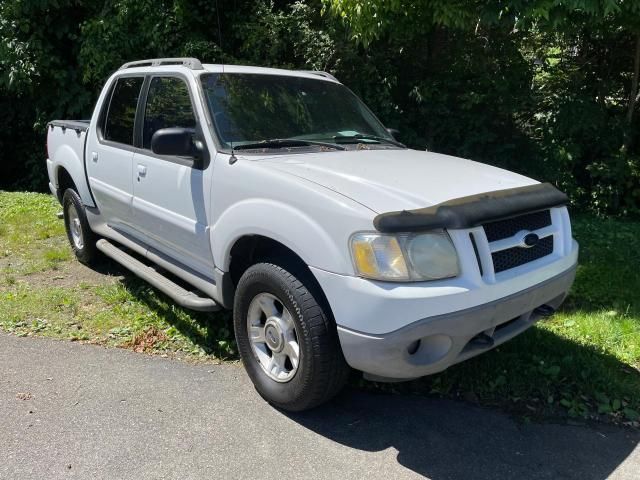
(450, 338)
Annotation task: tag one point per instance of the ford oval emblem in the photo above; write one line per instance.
(530, 240)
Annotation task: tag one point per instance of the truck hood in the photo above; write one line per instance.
(390, 180)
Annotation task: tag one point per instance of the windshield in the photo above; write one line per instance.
(251, 108)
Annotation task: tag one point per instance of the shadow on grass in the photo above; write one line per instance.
(106, 266)
(539, 375)
(212, 331)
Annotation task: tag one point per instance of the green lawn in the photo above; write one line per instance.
(44, 291)
(584, 363)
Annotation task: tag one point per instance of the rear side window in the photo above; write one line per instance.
(118, 126)
(168, 105)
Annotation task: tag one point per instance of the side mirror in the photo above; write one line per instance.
(175, 141)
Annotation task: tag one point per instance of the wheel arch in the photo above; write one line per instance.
(64, 181)
(249, 250)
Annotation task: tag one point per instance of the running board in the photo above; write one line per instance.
(182, 297)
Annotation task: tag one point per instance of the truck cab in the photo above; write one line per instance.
(278, 194)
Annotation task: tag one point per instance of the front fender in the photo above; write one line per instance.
(281, 222)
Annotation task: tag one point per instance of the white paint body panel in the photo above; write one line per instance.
(110, 180)
(310, 202)
(66, 150)
(392, 180)
(177, 223)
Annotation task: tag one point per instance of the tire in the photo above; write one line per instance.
(321, 370)
(79, 234)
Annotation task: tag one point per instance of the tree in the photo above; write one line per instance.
(548, 88)
(582, 106)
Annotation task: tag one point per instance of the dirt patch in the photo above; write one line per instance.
(148, 340)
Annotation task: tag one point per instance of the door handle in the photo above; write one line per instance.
(94, 156)
(142, 170)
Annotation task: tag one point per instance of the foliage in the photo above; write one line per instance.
(573, 99)
(542, 87)
(580, 119)
(370, 19)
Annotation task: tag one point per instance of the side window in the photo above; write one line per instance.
(118, 126)
(168, 105)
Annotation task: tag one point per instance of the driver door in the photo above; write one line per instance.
(169, 195)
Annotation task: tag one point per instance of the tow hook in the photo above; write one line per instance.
(545, 311)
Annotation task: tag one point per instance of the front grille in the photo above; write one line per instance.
(508, 228)
(516, 256)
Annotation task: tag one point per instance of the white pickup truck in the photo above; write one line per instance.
(280, 195)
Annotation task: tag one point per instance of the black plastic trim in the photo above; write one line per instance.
(477, 253)
(471, 211)
(77, 125)
(86, 171)
(140, 109)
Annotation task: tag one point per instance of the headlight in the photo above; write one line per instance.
(404, 257)
(432, 255)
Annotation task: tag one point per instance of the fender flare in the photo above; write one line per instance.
(280, 222)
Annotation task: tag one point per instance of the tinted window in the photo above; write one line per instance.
(168, 105)
(255, 107)
(122, 110)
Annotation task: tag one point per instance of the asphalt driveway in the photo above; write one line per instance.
(79, 411)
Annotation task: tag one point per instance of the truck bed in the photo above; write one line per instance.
(66, 145)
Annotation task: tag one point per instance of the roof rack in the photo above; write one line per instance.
(192, 63)
(321, 73)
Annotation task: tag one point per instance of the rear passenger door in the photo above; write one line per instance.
(110, 151)
(170, 194)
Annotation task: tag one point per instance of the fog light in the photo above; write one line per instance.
(430, 349)
(413, 347)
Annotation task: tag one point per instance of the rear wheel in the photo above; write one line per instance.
(287, 341)
(81, 238)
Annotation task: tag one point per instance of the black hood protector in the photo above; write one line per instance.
(474, 210)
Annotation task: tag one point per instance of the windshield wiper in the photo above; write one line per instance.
(366, 136)
(285, 142)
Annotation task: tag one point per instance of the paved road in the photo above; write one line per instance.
(103, 413)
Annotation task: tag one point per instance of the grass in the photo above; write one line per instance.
(44, 291)
(31, 236)
(582, 364)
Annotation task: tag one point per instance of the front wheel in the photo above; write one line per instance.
(287, 342)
